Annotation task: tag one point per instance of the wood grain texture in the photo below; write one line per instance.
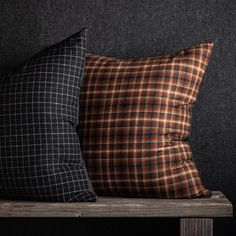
(216, 206)
(196, 227)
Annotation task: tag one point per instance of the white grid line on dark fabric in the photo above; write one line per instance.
(40, 156)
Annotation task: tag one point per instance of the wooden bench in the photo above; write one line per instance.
(196, 215)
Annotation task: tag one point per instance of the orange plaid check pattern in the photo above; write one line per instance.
(135, 124)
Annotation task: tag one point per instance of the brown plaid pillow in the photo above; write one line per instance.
(135, 124)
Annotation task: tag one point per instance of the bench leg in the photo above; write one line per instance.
(196, 227)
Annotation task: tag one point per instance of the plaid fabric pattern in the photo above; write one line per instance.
(135, 124)
(40, 156)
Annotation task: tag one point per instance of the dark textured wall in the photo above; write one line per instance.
(132, 28)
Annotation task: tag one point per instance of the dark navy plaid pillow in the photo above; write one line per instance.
(40, 156)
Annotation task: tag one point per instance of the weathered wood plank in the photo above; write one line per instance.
(216, 206)
(196, 227)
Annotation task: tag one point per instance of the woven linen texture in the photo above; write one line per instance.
(135, 124)
(40, 156)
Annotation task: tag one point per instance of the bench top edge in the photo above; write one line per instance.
(216, 206)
